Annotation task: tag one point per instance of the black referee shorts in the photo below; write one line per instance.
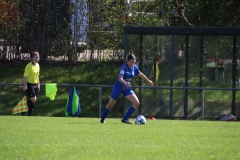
(32, 90)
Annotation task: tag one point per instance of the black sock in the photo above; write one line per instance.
(30, 107)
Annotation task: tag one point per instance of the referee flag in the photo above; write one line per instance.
(21, 106)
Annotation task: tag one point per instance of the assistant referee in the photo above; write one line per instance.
(31, 81)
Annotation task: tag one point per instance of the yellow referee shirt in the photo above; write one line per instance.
(32, 72)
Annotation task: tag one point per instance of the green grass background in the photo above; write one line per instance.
(61, 73)
(105, 73)
(60, 138)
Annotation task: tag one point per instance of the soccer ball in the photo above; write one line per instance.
(140, 119)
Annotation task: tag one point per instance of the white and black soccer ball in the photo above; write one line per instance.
(140, 119)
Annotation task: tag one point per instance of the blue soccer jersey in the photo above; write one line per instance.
(128, 74)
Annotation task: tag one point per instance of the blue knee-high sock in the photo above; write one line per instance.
(105, 113)
(130, 111)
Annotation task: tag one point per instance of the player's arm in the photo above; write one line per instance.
(145, 78)
(120, 78)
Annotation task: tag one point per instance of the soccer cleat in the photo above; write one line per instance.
(126, 121)
(102, 121)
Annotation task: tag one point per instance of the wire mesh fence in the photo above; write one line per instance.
(189, 57)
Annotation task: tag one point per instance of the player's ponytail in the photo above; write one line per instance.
(131, 56)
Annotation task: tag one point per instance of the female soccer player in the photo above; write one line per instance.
(31, 81)
(123, 86)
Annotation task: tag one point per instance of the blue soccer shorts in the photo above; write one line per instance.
(116, 92)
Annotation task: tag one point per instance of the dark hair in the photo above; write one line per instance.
(34, 54)
(131, 56)
(157, 58)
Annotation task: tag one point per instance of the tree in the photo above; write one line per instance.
(45, 25)
(213, 13)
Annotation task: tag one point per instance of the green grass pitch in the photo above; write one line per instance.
(55, 138)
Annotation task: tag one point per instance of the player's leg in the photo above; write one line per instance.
(114, 96)
(108, 107)
(135, 103)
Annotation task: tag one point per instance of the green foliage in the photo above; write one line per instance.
(213, 13)
(46, 26)
(85, 138)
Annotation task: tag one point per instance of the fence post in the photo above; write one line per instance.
(202, 104)
(171, 77)
(100, 101)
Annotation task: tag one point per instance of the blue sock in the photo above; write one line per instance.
(130, 111)
(105, 113)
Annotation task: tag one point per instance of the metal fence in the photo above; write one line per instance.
(186, 53)
(138, 89)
